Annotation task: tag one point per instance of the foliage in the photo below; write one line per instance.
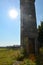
(39, 58)
(40, 34)
(41, 50)
(9, 56)
(22, 55)
(28, 62)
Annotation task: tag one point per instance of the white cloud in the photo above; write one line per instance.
(8, 43)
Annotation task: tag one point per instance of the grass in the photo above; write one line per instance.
(8, 56)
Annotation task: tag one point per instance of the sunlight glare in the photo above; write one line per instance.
(13, 13)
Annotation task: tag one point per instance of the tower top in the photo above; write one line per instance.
(23, 1)
(30, 0)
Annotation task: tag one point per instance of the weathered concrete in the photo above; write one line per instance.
(28, 26)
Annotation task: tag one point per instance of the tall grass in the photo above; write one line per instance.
(8, 56)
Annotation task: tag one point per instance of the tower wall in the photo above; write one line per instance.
(28, 25)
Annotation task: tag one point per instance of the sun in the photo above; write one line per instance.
(13, 13)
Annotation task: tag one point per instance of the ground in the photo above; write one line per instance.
(9, 57)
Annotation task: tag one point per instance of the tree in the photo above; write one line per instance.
(40, 34)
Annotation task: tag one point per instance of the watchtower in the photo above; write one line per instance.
(28, 26)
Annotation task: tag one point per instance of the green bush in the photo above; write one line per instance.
(28, 62)
(41, 50)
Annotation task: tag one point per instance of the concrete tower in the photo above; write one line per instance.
(28, 26)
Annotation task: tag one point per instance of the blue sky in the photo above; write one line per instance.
(39, 11)
(10, 28)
